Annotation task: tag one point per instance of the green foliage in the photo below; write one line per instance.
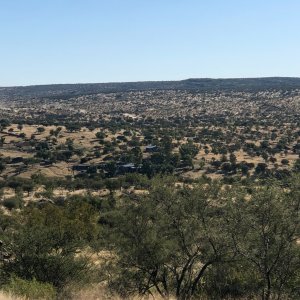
(188, 150)
(297, 166)
(13, 202)
(2, 166)
(4, 123)
(45, 242)
(189, 239)
(207, 241)
(40, 129)
(100, 135)
(73, 127)
(264, 233)
(31, 289)
(163, 238)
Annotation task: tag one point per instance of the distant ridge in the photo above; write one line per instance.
(192, 84)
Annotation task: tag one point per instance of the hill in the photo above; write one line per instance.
(200, 85)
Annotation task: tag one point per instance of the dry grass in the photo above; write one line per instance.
(98, 292)
(89, 294)
(4, 296)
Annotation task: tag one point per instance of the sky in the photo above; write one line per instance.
(80, 41)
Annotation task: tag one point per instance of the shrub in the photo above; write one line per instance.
(30, 289)
(46, 245)
(13, 203)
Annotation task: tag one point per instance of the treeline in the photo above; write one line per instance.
(205, 240)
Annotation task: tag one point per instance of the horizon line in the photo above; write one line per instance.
(146, 81)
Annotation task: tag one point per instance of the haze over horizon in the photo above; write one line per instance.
(127, 41)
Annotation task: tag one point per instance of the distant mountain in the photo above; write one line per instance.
(202, 85)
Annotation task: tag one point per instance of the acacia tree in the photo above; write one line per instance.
(265, 230)
(166, 241)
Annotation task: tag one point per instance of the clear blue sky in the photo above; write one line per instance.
(70, 41)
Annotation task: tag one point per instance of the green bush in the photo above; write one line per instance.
(13, 203)
(45, 243)
(30, 289)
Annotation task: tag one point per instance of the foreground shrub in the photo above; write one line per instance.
(30, 289)
(46, 243)
(202, 242)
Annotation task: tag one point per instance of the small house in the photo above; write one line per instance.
(17, 160)
(151, 148)
(81, 167)
(127, 168)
